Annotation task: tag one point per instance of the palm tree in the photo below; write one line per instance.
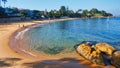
(4, 1)
(79, 11)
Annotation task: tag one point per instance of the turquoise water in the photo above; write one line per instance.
(57, 37)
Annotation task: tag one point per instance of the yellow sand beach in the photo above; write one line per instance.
(11, 59)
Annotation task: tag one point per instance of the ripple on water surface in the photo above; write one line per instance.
(57, 37)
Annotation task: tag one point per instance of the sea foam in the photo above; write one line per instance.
(21, 33)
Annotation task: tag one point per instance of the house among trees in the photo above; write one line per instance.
(63, 12)
(12, 12)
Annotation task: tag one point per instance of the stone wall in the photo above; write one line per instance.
(14, 19)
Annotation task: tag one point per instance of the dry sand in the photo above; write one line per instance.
(12, 59)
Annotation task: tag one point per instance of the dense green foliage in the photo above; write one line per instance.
(25, 12)
(2, 12)
(63, 12)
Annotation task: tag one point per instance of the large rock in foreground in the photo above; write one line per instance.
(116, 59)
(105, 48)
(99, 53)
(90, 53)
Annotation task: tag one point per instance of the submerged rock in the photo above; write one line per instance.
(116, 59)
(105, 48)
(89, 53)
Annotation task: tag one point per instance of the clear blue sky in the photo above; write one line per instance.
(107, 5)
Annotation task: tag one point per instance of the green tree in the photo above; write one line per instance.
(51, 14)
(70, 13)
(25, 12)
(37, 13)
(63, 11)
(109, 14)
(85, 13)
(15, 10)
(94, 11)
(78, 13)
(54, 14)
(2, 13)
(57, 14)
(104, 13)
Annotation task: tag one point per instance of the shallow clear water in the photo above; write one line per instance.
(56, 37)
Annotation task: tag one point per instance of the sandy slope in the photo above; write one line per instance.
(11, 59)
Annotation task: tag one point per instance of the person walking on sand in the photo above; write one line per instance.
(23, 25)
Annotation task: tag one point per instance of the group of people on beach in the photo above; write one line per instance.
(21, 26)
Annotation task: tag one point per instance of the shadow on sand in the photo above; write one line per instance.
(62, 63)
(8, 62)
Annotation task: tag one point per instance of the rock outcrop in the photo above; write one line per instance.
(105, 48)
(89, 53)
(99, 53)
(116, 59)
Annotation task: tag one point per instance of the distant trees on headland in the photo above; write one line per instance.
(63, 12)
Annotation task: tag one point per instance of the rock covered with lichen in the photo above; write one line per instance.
(89, 53)
(115, 60)
(105, 48)
(96, 53)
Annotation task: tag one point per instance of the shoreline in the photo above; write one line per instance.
(32, 53)
(6, 51)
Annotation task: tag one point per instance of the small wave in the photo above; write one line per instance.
(21, 33)
(38, 25)
(28, 53)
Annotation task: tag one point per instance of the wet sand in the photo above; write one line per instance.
(9, 58)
